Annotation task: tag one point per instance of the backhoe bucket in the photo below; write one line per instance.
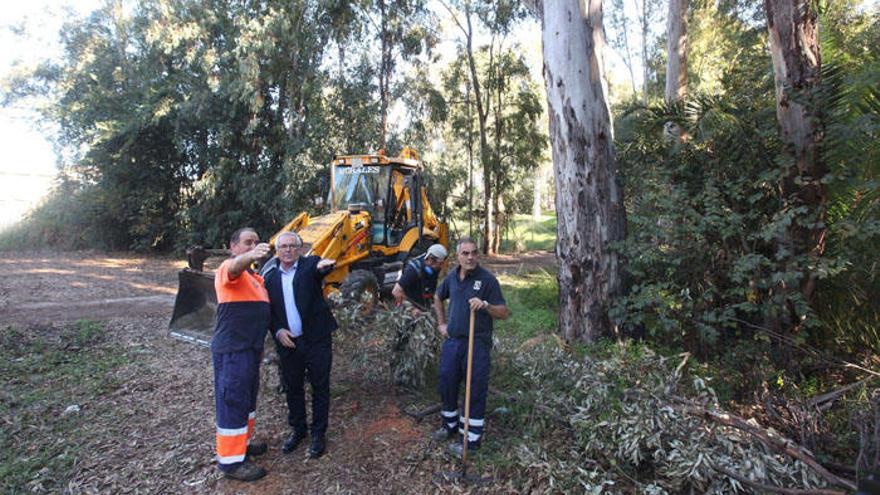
(194, 307)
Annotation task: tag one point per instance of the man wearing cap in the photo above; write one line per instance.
(469, 287)
(418, 281)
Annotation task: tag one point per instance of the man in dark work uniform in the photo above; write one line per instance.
(418, 281)
(468, 287)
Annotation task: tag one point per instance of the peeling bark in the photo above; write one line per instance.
(589, 201)
(794, 49)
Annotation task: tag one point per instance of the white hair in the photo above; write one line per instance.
(291, 234)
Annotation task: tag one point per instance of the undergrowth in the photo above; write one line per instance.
(48, 377)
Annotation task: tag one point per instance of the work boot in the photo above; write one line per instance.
(257, 448)
(293, 442)
(456, 449)
(318, 446)
(246, 471)
(441, 434)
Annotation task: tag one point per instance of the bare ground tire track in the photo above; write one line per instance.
(153, 433)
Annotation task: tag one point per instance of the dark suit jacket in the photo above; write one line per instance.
(317, 320)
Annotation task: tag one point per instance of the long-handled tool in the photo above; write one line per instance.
(463, 474)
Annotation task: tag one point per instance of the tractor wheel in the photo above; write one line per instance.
(356, 285)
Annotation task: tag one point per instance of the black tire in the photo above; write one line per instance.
(356, 284)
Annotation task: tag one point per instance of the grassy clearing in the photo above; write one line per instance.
(43, 375)
(525, 234)
(522, 234)
(533, 300)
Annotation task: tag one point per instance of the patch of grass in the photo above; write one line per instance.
(525, 234)
(533, 301)
(86, 332)
(43, 374)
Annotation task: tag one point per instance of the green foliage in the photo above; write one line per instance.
(183, 121)
(70, 216)
(705, 217)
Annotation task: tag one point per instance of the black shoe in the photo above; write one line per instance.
(441, 434)
(317, 448)
(257, 448)
(246, 472)
(293, 442)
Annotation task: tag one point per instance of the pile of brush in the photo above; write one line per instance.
(400, 343)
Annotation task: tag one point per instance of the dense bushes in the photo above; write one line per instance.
(705, 217)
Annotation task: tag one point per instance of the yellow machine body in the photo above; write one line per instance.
(379, 217)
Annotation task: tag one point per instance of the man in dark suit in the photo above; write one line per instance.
(302, 324)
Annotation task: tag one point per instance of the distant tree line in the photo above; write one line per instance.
(180, 120)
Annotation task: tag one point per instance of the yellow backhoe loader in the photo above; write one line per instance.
(379, 217)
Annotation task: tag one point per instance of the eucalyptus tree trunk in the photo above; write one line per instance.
(482, 118)
(676, 49)
(385, 69)
(589, 201)
(794, 49)
(470, 148)
(497, 203)
(645, 27)
(676, 60)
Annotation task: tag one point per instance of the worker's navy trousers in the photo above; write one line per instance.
(236, 382)
(453, 371)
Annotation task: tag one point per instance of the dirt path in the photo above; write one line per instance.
(58, 287)
(153, 432)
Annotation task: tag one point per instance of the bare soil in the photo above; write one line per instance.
(154, 432)
(54, 287)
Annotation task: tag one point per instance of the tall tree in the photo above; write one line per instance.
(647, 12)
(401, 28)
(676, 51)
(589, 201)
(498, 18)
(517, 140)
(794, 49)
(619, 21)
(460, 104)
(482, 108)
(676, 58)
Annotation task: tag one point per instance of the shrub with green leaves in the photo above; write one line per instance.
(706, 217)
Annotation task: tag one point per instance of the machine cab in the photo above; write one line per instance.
(387, 188)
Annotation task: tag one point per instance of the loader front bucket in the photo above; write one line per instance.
(194, 307)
